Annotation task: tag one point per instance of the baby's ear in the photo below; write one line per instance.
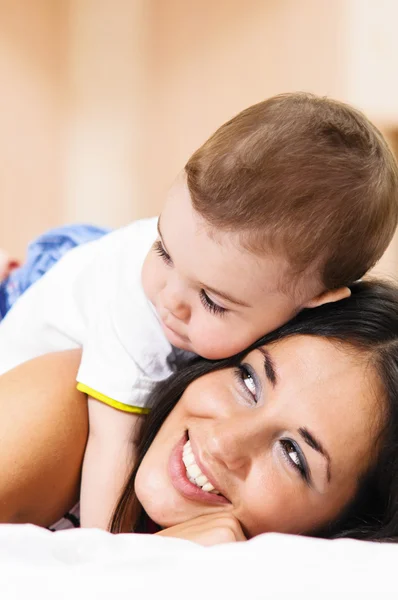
(329, 296)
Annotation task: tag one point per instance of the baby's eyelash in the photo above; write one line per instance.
(211, 306)
(158, 247)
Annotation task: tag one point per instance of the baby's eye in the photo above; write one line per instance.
(159, 249)
(210, 305)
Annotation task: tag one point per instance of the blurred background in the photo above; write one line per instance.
(103, 101)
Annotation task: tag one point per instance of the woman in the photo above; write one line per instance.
(300, 435)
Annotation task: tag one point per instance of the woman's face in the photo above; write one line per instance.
(283, 439)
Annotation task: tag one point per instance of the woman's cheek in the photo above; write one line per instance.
(208, 397)
(277, 508)
(258, 514)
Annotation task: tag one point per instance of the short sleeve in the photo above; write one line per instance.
(125, 351)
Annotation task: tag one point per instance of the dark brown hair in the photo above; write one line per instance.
(308, 177)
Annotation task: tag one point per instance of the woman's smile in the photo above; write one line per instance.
(189, 478)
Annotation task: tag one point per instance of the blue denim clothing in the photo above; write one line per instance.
(42, 254)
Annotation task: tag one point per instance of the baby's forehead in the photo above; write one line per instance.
(240, 273)
(269, 266)
(223, 259)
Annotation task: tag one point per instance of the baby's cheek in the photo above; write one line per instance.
(152, 277)
(146, 276)
(219, 341)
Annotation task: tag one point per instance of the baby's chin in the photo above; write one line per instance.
(212, 353)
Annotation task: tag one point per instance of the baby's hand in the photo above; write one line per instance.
(208, 530)
(6, 265)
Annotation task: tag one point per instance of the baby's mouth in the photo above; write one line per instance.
(194, 473)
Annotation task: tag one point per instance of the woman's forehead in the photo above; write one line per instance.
(329, 387)
(316, 356)
(317, 377)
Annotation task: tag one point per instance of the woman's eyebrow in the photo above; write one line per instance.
(314, 443)
(269, 367)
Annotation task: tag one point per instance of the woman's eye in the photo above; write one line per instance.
(247, 381)
(211, 306)
(295, 456)
(158, 247)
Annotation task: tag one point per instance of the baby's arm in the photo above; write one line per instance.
(109, 457)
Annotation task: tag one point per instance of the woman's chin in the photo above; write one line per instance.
(161, 502)
(154, 496)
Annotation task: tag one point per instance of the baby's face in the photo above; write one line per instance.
(213, 297)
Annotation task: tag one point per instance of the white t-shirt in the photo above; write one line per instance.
(93, 298)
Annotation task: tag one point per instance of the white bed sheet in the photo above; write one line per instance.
(35, 563)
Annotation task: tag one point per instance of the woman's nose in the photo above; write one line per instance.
(237, 442)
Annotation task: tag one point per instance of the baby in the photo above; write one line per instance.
(281, 209)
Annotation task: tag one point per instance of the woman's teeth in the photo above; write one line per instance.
(194, 474)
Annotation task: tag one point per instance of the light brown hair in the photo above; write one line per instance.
(307, 177)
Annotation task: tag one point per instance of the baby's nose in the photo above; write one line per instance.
(180, 311)
(176, 304)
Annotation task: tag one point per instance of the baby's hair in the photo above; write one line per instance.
(309, 178)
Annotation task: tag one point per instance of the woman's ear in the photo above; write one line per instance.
(329, 296)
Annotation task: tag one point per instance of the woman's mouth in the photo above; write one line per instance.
(194, 474)
(188, 478)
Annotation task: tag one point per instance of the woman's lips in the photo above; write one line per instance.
(181, 483)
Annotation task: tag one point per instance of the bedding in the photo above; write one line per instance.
(35, 563)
